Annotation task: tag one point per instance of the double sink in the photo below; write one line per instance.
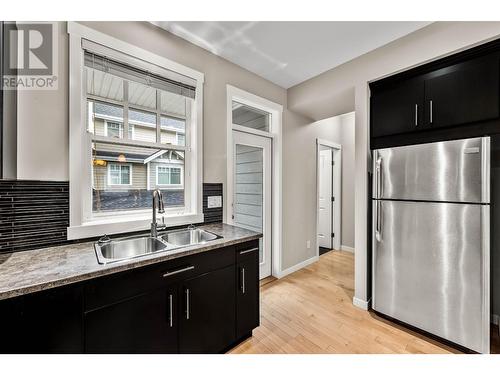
(109, 251)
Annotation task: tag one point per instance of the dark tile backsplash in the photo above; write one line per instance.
(212, 215)
(35, 214)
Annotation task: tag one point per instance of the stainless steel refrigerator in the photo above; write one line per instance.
(431, 222)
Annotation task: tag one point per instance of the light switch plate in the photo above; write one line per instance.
(215, 201)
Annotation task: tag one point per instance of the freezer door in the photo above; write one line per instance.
(451, 171)
(431, 268)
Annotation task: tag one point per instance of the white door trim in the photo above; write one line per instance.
(337, 172)
(276, 110)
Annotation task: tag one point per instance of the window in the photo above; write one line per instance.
(250, 117)
(168, 176)
(181, 139)
(141, 117)
(120, 97)
(119, 174)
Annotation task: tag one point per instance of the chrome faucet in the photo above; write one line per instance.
(157, 205)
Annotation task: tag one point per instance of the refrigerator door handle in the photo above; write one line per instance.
(378, 170)
(485, 170)
(378, 222)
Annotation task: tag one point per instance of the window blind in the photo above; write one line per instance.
(131, 73)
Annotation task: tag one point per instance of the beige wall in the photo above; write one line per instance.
(331, 93)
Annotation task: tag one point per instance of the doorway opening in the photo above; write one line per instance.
(329, 196)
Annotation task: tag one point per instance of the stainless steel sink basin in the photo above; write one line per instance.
(186, 237)
(128, 248)
(109, 251)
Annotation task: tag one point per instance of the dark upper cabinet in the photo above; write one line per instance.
(207, 321)
(397, 109)
(247, 297)
(143, 324)
(463, 93)
(446, 99)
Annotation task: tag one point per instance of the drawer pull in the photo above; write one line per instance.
(249, 250)
(171, 273)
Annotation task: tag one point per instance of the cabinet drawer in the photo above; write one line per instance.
(247, 250)
(107, 290)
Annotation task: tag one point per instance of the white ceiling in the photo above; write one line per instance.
(288, 53)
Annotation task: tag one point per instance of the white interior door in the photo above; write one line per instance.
(325, 198)
(252, 194)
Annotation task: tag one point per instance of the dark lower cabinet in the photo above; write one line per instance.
(142, 324)
(44, 322)
(207, 322)
(193, 304)
(247, 297)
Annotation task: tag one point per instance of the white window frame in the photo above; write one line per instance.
(108, 122)
(83, 223)
(170, 186)
(110, 184)
(275, 133)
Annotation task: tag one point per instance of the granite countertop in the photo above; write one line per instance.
(34, 270)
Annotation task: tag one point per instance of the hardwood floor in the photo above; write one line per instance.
(311, 311)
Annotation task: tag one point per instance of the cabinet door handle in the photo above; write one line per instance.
(170, 273)
(430, 111)
(187, 303)
(171, 315)
(416, 114)
(243, 288)
(249, 250)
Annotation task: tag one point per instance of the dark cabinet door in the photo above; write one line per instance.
(43, 322)
(54, 322)
(463, 93)
(13, 333)
(147, 323)
(397, 109)
(207, 322)
(247, 297)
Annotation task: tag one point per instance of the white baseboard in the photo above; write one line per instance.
(297, 267)
(360, 303)
(347, 248)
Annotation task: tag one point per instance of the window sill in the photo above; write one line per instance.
(123, 225)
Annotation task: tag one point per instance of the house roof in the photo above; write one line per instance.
(137, 158)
